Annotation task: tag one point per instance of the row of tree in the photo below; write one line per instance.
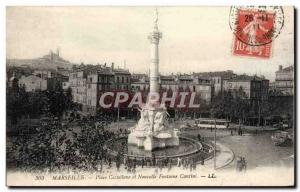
(237, 107)
(231, 105)
(20, 103)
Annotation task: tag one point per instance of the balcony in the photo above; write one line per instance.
(284, 79)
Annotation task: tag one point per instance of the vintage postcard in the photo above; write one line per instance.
(150, 96)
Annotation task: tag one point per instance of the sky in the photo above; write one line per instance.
(195, 39)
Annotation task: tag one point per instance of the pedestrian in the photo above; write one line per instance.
(179, 162)
(194, 164)
(244, 164)
(199, 137)
(169, 165)
(153, 160)
(128, 167)
(134, 162)
(231, 132)
(118, 164)
(166, 161)
(160, 164)
(109, 162)
(202, 160)
(238, 164)
(143, 162)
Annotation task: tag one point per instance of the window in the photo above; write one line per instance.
(117, 79)
(122, 79)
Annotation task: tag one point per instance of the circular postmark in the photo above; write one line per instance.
(256, 25)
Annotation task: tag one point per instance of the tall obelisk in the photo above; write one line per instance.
(154, 37)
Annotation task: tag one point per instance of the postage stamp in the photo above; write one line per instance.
(255, 28)
(243, 49)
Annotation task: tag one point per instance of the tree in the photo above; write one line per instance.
(58, 101)
(16, 103)
(217, 106)
(241, 105)
(231, 105)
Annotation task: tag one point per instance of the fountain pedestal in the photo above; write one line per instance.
(152, 130)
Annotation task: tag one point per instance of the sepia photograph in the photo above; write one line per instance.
(150, 96)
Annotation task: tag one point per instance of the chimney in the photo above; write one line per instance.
(280, 67)
(112, 65)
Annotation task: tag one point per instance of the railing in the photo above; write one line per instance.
(203, 152)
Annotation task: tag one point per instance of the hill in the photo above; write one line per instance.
(49, 61)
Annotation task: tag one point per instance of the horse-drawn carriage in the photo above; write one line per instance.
(282, 138)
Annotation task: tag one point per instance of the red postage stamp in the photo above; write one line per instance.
(241, 48)
(254, 31)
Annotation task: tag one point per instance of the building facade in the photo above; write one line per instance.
(88, 82)
(33, 83)
(255, 88)
(177, 83)
(122, 79)
(217, 79)
(284, 80)
(97, 82)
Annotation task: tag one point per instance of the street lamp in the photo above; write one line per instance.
(215, 145)
(118, 117)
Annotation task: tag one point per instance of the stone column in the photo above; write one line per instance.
(154, 37)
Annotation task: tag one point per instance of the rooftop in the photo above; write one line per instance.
(245, 77)
(286, 69)
(223, 74)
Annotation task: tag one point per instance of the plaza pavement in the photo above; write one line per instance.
(258, 150)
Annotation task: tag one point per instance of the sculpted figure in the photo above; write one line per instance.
(143, 123)
(159, 121)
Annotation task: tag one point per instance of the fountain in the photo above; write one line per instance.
(152, 130)
(152, 135)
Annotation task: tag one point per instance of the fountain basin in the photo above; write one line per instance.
(187, 148)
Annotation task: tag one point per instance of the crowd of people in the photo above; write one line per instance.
(78, 144)
(74, 143)
(132, 163)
